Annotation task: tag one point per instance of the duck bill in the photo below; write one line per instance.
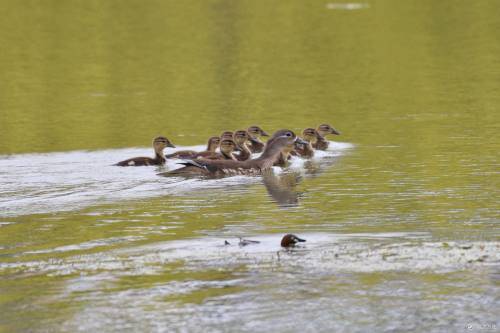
(171, 145)
(334, 131)
(263, 133)
(237, 149)
(300, 141)
(299, 239)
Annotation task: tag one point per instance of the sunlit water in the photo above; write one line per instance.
(400, 214)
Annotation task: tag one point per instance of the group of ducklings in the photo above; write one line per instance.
(231, 153)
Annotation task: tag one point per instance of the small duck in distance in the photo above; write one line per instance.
(159, 144)
(323, 130)
(212, 145)
(256, 145)
(290, 240)
(227, 135)
(216, 168)
(241, 140)
(311, 136)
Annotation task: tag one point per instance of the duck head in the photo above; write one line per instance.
(282, 141)
(227, 146)
(227, 135)
(290, 240)
(256, 131)
(241, 137)
(213, 143)
(325, 129)
(311, 135)
(161, 142)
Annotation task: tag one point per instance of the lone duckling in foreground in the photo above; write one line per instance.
(256, 145)
(290, 240)
(323, 130)
(215, 168)
(159, 144)
(212, 145)
(311, 136)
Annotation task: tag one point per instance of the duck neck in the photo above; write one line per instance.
(245, 152)
(159, 156)
(211, 146)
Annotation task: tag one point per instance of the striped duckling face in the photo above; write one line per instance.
(240, 137)
(227, 146)
(325, 129)
(161, 142)
(227, 135)
(310, 135)
(213, 143)
(256, 131)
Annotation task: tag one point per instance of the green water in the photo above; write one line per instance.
(411, 85)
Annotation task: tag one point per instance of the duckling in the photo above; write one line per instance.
(215, 168)
(159, 144)
(227, 147)
(323, 130)
(241, 140)
(311, 136)
(256, 145)
(227, 135)
(212, 145)
(290, 240)
(286, 154)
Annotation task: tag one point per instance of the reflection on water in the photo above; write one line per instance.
(401, 223)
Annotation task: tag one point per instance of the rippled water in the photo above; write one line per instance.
(400, 214)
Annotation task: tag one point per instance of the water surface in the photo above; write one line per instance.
(400, 214)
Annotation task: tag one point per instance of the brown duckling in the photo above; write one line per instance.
(212, 145)
(159, 144)
(227, 147)
(286, 153)
(256, 145)
(290, 240)
(311, 136)
(216, 168)
(227, 135)
(241, 140)
(323, 130)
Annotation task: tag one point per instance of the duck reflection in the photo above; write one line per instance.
(282, 188)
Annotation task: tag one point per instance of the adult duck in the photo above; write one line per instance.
(215, 168)
(159, 144)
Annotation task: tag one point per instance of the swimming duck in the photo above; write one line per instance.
(212, 145)
(215, 168)
(241, 139)
(256, 145)
(227, 147)
(323, 130)
(159, 144)
(227, 135)
(311, 136)
(290, 240)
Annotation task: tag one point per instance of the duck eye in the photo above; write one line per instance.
(288, 134)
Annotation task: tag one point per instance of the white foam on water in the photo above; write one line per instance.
(66, 181)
